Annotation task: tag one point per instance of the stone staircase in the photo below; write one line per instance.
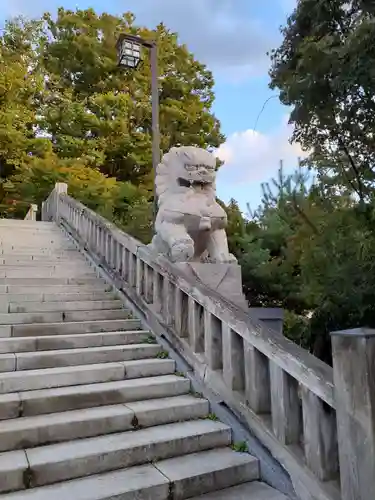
(90, 405)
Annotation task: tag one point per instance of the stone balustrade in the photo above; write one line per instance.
(285, 395)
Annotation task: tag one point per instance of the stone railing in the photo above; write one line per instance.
(286, 396)
(32, 213)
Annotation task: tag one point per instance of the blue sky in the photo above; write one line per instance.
(232, 38)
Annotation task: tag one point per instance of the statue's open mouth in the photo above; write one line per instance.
(185, 183)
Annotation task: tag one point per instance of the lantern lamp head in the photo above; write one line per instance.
(128, 51)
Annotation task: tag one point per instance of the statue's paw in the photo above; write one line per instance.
(182, 251)
(232, 259)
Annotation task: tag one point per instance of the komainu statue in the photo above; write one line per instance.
(190, 224)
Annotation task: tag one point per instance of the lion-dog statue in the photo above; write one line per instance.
(190, 224)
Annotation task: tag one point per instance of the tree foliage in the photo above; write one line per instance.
(312, 256)
(325, 70)
(20, 88)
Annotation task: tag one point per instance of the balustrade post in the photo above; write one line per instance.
(60, 188)
(168, 301)
(213, 341)
(233, 359)
(196, 325)
(157, 291)
(257, 380)
(285, 406)
(139, 284)
(319, 436)
(181, 313)
(353, 354)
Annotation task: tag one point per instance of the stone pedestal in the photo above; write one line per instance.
(272, 317)
(225, 279)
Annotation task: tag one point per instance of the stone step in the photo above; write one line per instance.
(19, 231)
(82, 296)
(28, 223)
(53, 342)
(47, 248)
(46, 273)
(143, 482)
(55, 289)
(75, 397)
(43, 264)
(27, 236)
(25, 260)
(28, 432)
(213, 470)
(39, 253)
(16, 318)
(54, 306)
(146, 481)
(63, 461)
(49, 378)
(20, 237)
(22, 361)
(69, 328)
(30, 239)
(42, 282)
(246, 491)
(70, 265)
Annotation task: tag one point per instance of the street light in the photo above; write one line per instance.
(129, 53)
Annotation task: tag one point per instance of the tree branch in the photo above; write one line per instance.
(302, 214)
(360, 190)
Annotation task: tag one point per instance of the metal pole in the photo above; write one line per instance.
(155, 119)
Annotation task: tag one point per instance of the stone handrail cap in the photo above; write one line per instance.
(356, 332)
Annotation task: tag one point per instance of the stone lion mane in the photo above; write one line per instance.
(173, 164)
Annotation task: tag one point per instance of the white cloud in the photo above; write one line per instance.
(253, 157)
(220, 33)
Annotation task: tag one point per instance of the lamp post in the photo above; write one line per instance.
(129, 48)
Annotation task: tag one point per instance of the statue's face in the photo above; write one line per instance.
(197, 175)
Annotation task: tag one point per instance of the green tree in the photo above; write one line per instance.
(33, 181)
(312, 255)
(20, 87)
(325, 70)
(95, 110)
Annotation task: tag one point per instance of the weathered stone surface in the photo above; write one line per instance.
(175, 409)
(72, 327)
(354, 376)
(208, 471)
(64, 461)
(248, 491)
(81, 356)
(144, 482)
(73, 397)
(26, 432)
(225, 279)
(13, 466)
(59, 377)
